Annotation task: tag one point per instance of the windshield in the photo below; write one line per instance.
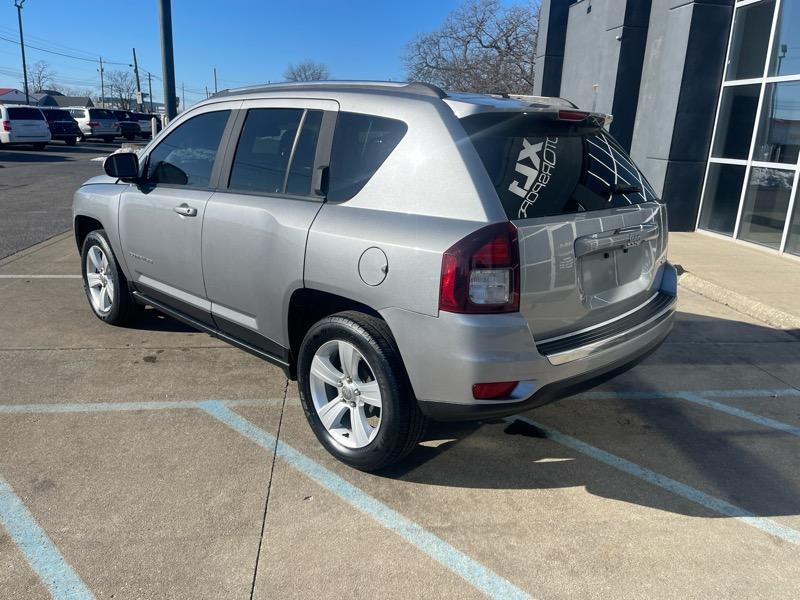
(101, 113)
(545, 168)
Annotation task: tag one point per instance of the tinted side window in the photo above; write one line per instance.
(186, 156)
(24, 113)
(302, 165)
(264, 148)
(361, 143)
(77, 113)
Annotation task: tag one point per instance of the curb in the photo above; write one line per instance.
(758, 310)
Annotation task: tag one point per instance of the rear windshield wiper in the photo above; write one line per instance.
(619, 190)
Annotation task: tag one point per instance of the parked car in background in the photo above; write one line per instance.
(62, 126)
(23, 125)
(144, 124)
(404, 253)
(128, 124)
(96, 123)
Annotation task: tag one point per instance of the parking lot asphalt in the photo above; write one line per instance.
(36, 189)
(157, 462)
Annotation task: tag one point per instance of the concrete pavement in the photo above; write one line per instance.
(159, 462)
(750, 280)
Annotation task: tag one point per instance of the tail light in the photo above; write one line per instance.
(480, 273)
(6, 125)
(93, 124)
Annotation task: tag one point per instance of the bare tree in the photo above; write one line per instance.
(307, 71)
(481, 47)
(73, 91)
(121, 89)
(40, 76)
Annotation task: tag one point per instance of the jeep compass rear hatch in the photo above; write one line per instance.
(592, 234)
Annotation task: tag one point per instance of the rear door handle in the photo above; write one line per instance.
(185, 210)
(625, 237)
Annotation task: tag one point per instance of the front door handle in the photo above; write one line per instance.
(185, 210)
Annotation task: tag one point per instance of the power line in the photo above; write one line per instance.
(62, 53)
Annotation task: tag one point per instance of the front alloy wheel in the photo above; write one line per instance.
(104, 282)
(99, 280)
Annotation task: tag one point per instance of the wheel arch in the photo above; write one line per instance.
(82, 226)
(309, 305)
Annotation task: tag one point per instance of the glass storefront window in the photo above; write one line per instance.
(751, 28)
(786, 48)
(793, 241)
(778, 137)
(766, 203)
(737, 116)
(721, 199)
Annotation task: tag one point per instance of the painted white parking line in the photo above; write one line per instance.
(37, 276)
(666, 483)
(699, 399)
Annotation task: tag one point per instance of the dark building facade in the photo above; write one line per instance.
(705, 95)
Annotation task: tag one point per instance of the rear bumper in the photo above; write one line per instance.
(446, 355)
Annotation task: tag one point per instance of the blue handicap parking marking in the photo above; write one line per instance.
(40, 552)
(481, 577)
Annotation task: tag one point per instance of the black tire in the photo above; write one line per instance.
(402, 424)
(108, 139)
(40, 146)
(130, 137)
(124, 308)
(71, 141)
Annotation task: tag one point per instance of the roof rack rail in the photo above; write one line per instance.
(413, 87)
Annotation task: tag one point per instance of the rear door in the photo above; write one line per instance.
(592, 233)
(256, 224)
(27, 124)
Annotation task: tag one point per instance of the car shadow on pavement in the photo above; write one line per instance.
(747, 464)
(30, 156)
(152, 320)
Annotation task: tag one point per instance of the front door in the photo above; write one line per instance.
(161, 220)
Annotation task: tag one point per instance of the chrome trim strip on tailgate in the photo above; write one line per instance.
(560, 358)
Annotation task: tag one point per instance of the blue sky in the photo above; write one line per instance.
(247, 41)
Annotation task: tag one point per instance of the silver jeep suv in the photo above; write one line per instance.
(403, 253)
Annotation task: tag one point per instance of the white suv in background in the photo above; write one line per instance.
(23, 125)
(96, 122)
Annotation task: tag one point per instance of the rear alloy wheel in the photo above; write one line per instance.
(105, 284)
(345, 393)
(355, 391)
(71, 141)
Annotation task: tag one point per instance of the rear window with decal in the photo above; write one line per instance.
(544, 168)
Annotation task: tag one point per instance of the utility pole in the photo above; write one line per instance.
(139, 106)
(183, 98)
(150, 90)
(167, 59)
(215, 80)
(102, 85)
(18, 4)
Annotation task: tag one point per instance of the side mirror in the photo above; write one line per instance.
(122, 165)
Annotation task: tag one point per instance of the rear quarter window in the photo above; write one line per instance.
(361, 144)
(545, 168)
(25, 113)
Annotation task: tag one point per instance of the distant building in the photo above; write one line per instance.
(45, 98)
(705, 95)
